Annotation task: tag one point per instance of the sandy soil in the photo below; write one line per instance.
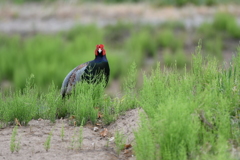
(95, 146)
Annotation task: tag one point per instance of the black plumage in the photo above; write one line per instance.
(90, 71)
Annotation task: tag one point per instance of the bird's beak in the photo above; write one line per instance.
(99, 50)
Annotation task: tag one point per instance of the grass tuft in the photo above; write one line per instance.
(47, 143)
(14, 146)
(119, 141)
(189, 116)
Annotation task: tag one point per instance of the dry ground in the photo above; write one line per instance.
(33, 136)
(50, 18)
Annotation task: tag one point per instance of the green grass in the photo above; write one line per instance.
(180, 57)
(192, 113)
(80, 136)
(84, 104)
(13, 144)
(224, 24)
(47, 143)
(187, 115)
(20, 104)
(227, 23)
(51, 57)
(119, 142)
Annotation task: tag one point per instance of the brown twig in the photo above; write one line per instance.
(205, 121)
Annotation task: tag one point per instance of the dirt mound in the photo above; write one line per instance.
(94, 146)
(126, 124)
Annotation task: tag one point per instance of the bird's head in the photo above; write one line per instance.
(100, 50)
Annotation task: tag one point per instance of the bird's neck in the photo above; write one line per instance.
(100, 58)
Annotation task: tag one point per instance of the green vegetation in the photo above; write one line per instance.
(226, 23)
(80, 136)
(72, 145)
(77, 140)
(14, 146)
(22, 105)
(62, 134)
(119, 141)
(51, 57)
(190, 115)
(84, 104)
(47, 143)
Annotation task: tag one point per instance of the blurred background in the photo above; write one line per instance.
(48, 38)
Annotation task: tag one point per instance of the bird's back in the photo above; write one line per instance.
(72, 78)
(91, 71)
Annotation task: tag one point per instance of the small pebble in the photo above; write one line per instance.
(95, 129)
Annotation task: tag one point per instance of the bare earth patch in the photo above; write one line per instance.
(55, 17)
(33, 136)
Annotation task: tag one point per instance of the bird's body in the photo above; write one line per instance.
(89, 71)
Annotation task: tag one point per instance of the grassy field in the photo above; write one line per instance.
(50, 57)
(194, 115)
(190, 103)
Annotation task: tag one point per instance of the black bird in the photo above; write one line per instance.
(88, 71)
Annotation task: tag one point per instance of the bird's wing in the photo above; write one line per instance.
(72, 78)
